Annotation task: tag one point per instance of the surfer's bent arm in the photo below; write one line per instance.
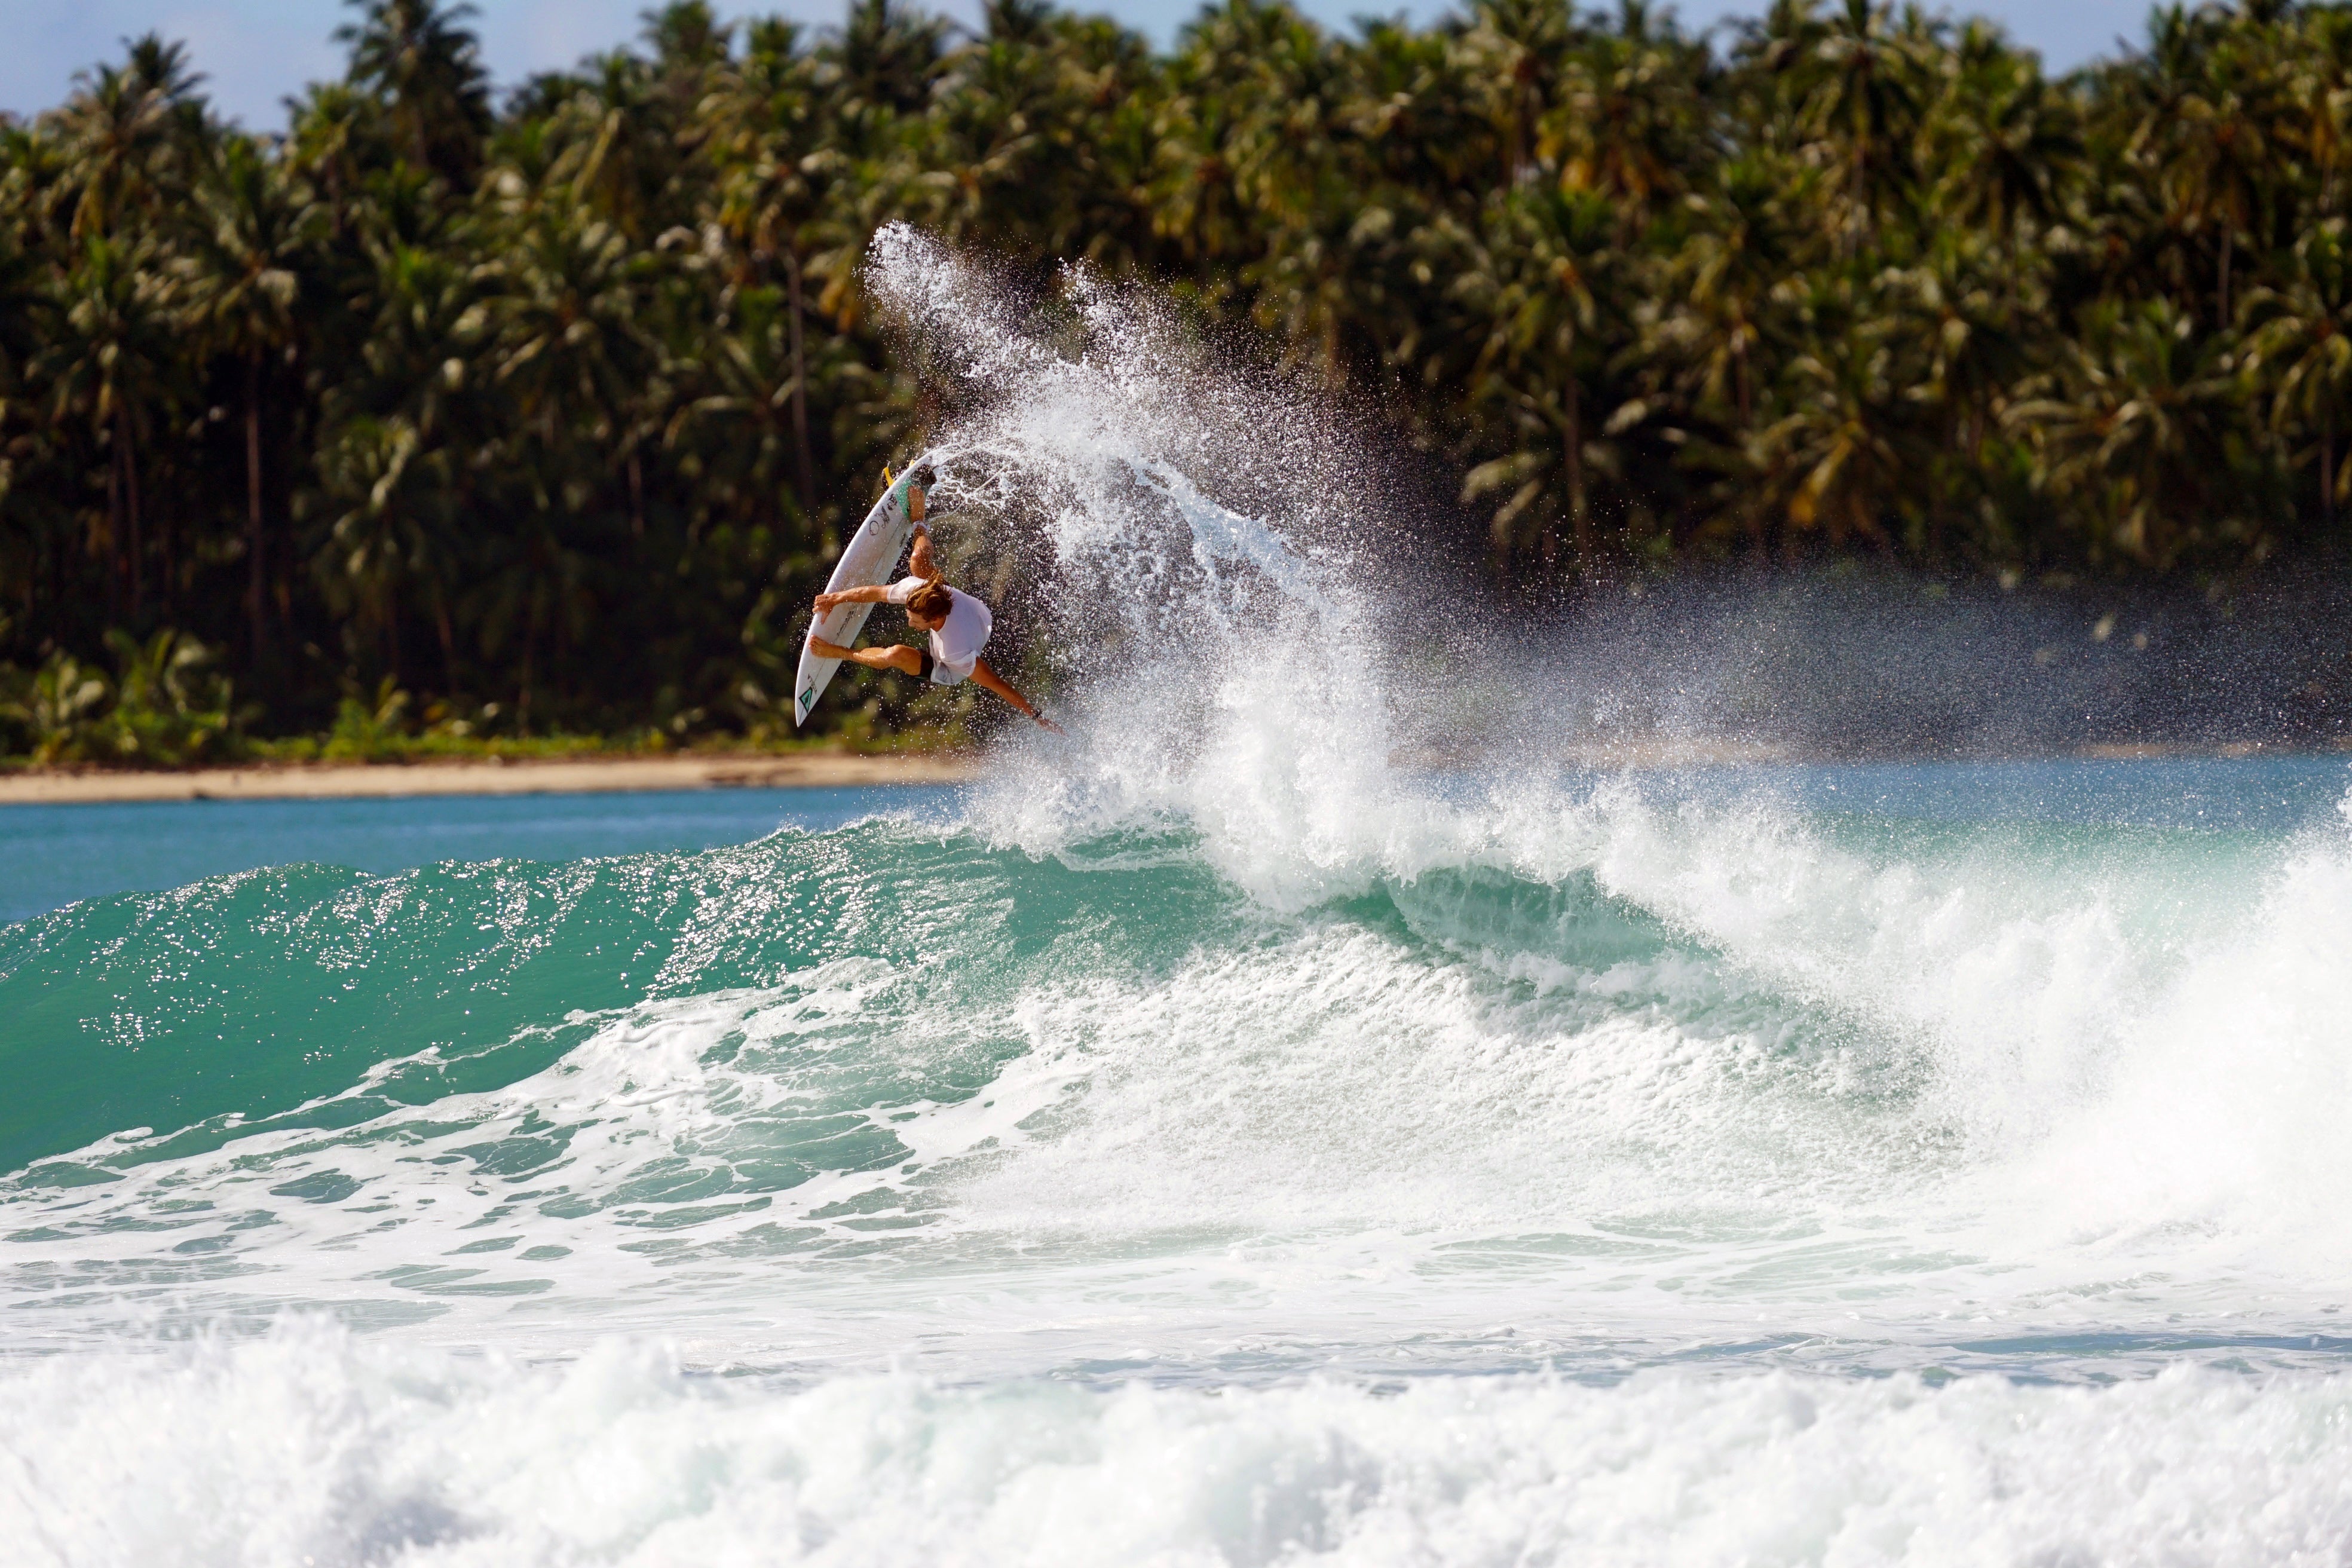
(919, 560)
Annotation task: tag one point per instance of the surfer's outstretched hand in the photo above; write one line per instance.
(1047, 724)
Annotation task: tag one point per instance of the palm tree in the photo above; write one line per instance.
(243, 268)
(2135, 434)
(1839, 447)
(1864, 95)
(564, 316)
(389, 495)
(1631, 120)
(2222, 157)
(2009, 145)
(419, 55)
(337, 129)
(1535, 278)
(132, 132)
(1744, 241)
(2321, 97)
(688, 35)
(753, 376)
(25, 304)
(2300, 345)
(772, 177)
(110, 367)
(404, 437)
(568, 348)
(1525, 46)
(885, 58)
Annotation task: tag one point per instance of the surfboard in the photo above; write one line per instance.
(871, 556)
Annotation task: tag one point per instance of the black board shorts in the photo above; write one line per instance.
(939, 674)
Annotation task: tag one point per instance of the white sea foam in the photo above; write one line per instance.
(310, 1449)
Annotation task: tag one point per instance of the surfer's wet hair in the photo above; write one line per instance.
(930, 601)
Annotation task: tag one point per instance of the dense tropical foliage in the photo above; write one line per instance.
(551, 410)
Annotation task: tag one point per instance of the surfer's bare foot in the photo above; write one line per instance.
(825, 649)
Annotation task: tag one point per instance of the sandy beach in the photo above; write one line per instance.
(567, 775)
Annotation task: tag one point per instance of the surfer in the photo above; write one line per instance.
(957, 625)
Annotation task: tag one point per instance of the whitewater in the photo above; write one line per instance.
(1243, 1132)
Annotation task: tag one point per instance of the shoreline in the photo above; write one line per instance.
(560, 775)
(815, 770)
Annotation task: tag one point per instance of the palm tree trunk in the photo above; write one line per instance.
(448, 642)
(1859, 197)
(523, 698)
(2327, 467)
(131, 510)
(1578, 517)
(799, 385)
(114, 534)
(253, 538)
(167, 538)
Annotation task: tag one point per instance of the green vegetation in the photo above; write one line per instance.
(552, 412)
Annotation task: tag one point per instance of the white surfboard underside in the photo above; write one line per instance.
(871, 556)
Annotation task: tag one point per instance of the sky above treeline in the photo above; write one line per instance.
(255, 53)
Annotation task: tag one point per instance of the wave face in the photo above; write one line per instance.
(1210, 1143)
(1577, 1072)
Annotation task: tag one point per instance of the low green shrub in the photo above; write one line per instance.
(164, 706)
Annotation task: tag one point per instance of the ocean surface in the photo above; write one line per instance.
(1934, 1163)
(1199, 1140)
(53, 855)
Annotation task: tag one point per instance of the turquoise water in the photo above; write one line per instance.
(1707, 1039)
(53, 855)
(1199, 1141)
(1880, 1163)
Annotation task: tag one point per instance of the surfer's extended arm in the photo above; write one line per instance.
(878, 595)
(905, 660)
(996, 683)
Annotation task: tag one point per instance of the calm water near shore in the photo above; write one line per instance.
(53, 855)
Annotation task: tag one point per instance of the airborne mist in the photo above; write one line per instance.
(1154, 509)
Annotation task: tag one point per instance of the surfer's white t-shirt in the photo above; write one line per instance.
(955, 647)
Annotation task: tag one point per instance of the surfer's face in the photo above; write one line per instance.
(922, 623)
